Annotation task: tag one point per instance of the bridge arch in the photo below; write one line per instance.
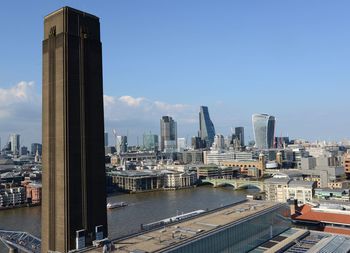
(223, 184)
(250, 185)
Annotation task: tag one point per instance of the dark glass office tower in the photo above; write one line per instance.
(74, 183)
(168, 134)
(206, 126)
(239, 132)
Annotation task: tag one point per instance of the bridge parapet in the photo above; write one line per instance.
(236, 183)
(23, 241)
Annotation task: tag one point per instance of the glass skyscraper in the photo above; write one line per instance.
(206, 126)
(168, 134)
(150, 142)
(15, 143)
(239, 132)
(264, 130)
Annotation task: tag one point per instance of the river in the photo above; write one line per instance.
(142, 208)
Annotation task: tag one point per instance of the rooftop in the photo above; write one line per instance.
(299, 240)
(180, 233)
(71, 10)
(301, 183)
(323, 215)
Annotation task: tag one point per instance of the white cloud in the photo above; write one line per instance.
(19, 93)
(20, 112)
(136, 115)
(17, 100)
(130, 101)
(128, 107)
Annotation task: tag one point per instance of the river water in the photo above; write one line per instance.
(142, 208)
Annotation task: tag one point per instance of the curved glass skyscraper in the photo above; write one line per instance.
(206, 126)
(264, 130)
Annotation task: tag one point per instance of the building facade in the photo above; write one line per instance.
(346, 159)
(168, 134)
(190, 157)
(282, 189)
(181, 144)
(219, 142)
(34, 147)
(10, 197)
(206, 126)
(122, 144)
(15, 143)
(74, 181)
(106, 139)
(264, 130)
(239, 133)
(150, 142)
(240, 227)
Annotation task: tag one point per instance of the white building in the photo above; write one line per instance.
(282, 189)
(217, 156)
(175, 180)
(12, 196)
(219, 142)
(301, 190)
(181, 144)
(15, 143)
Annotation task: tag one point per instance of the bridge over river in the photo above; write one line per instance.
(236, 183)
(22, 241)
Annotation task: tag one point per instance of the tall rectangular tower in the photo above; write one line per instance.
(168, 134)
(74, 183)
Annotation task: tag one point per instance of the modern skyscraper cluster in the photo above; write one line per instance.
(264, 130)
(206, 126)
(74, 182)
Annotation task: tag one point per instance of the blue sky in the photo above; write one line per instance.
(290, 59)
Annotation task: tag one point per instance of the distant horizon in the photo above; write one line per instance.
(286, 59)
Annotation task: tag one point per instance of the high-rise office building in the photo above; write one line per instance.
(74, 179)
(239, 132)
(24, 150)
(181, 144)
(197, 143)
(281, 142)
(219, 142)
(15, 143)
(206, 126)
(168, 134)
(34, 147)
(264, 130)
(122, 144)
(150, 142)
(106, 139)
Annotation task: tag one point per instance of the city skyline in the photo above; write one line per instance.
(284, 59)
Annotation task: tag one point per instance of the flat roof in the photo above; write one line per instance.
(70, 9)
(297, 240)
(198, 227)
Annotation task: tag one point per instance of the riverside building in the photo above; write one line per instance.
(239, 227)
